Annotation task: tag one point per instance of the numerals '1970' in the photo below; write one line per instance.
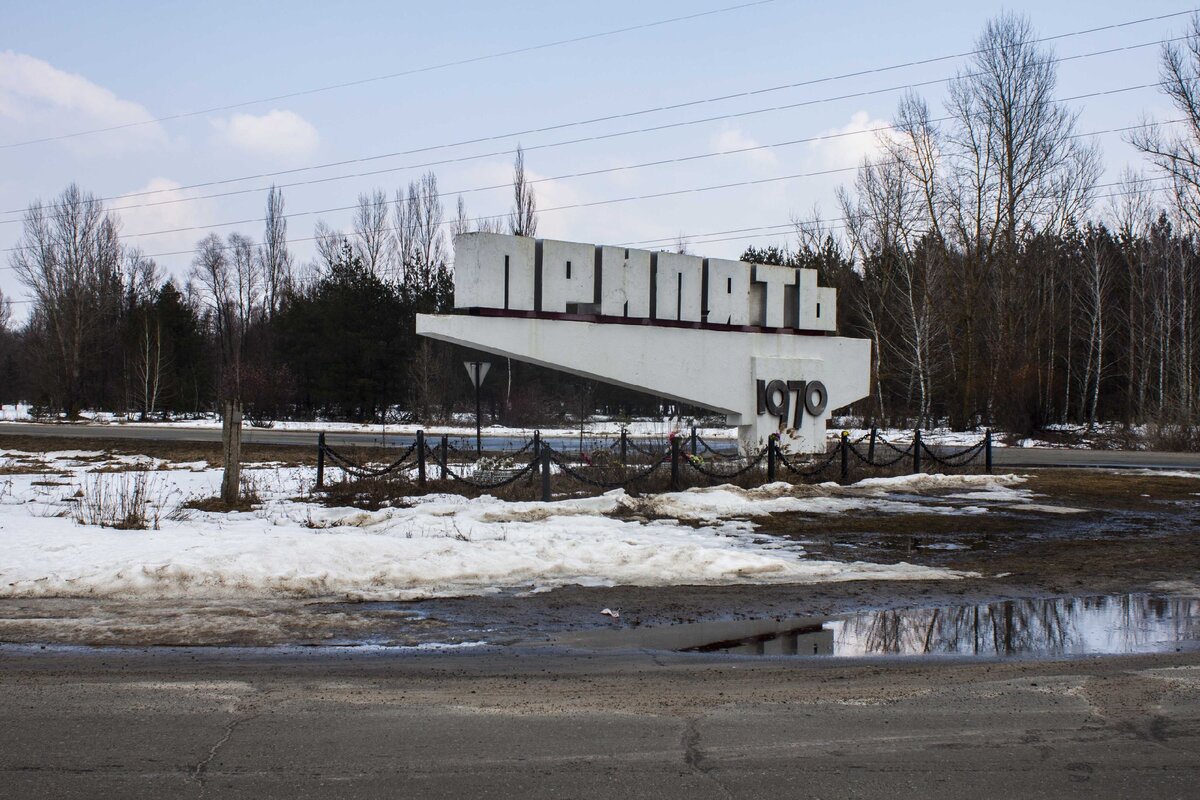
(775, 398)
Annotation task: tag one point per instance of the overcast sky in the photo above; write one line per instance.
(67, 67)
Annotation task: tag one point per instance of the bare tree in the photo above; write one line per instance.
(1130, 212)
(147, 361)
(430, 244)
(1173, 151)
(405, 227)
(421, 240)
(1177, 155)
(149, 364)
(1097, 284)
(522, 220)
(883, 224)
(373, 241)
(328, 245)
(231, 284)
(1014, 169)
(1017, 138)
(276, 259)
(69, 257)
(460, 224)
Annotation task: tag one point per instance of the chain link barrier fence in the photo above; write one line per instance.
(605, 470)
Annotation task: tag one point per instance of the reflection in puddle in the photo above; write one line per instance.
(1135, 623)
(809, 641)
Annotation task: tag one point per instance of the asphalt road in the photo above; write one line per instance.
(1003, 456)
(539, 724)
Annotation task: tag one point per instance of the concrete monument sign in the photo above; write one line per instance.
(752, 341)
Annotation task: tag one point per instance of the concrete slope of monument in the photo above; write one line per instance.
(751, 341)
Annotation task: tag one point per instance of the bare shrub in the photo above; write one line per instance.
(124, 500)
(1173, 437)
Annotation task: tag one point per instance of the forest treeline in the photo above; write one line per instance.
(999, 280)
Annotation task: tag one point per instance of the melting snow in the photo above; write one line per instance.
(443, 545)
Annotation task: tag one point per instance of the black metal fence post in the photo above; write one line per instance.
(917, 451)
(624, 447)
(693, 440)
(321, 460)
(871, 447)
(771, 458)
(987, 451)
(845, 448)
(444, 456)
(478, 423)
(421, 458)
(674, 463)
(544, 454)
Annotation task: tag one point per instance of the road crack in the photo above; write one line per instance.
(694, 757)
(200, 770)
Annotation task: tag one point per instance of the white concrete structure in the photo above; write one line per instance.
(744, 340)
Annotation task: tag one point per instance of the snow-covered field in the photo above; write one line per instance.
(442, 545)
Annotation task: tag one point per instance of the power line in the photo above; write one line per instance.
(391, 76)
(633, 198)
(702, 238)
(771, 230)
(610, 117)
(680, 159)
(599, 137)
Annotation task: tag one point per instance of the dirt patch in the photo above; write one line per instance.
(1113, 489)
(219, 506)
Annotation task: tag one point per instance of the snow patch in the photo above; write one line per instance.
(440, 545)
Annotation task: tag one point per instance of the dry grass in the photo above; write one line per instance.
(219, 506)
(23, 467)
(128, 501)
(249, 496)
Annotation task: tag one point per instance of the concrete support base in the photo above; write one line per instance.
(717, 370)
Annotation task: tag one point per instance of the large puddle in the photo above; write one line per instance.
(1074, 626)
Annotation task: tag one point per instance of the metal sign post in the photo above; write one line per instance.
(478, 370)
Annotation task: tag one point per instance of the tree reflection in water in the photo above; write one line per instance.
(1060, 626)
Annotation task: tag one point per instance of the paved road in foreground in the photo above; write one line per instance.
(537, 724)
(1003, 456)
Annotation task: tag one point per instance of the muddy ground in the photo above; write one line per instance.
(1087, 533)
(535, 721)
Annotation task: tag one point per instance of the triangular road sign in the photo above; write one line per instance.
(478, 370)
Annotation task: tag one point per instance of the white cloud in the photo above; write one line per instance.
(277, 133)
(737, 139)
(152, 208)
(39, 100)
(847, 145)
